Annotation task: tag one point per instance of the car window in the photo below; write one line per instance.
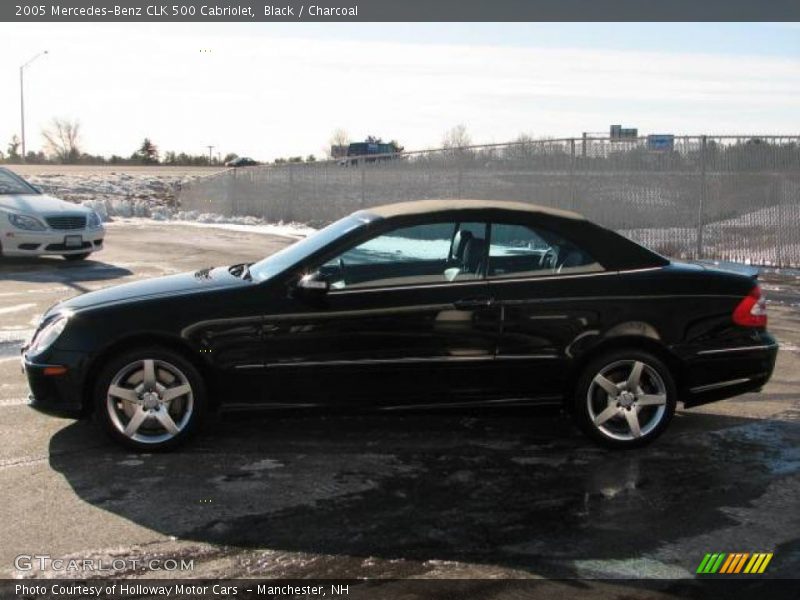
(519, 250)
(295, 253)
(420, 254)
(11, 184)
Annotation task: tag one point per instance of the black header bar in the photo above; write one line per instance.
(398, 10)
(701, 588)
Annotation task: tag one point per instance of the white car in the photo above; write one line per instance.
(35, 224)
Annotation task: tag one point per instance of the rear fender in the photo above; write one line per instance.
(633, 335)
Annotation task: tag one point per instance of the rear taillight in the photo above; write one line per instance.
(752, 310)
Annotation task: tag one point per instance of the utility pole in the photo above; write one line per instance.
(22, 100)
(210, 154)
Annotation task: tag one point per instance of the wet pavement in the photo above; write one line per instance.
(456, 494)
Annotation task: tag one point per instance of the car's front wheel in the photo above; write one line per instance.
(150, 399)
(625, 399)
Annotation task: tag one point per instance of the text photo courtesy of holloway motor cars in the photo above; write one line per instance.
(359, 299)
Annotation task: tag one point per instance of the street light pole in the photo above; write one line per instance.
(22, 109)
(22, 99)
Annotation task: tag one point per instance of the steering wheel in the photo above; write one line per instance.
(548, 259)
(343, 271)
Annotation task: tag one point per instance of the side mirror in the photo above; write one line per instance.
(309, 286)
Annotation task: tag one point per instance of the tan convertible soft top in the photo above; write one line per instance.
(609, 248)
(419, 207)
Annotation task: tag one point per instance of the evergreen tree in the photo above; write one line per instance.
(147, 152)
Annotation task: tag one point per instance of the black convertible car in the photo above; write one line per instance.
(425, 304)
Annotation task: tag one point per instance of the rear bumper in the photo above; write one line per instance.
(54, 394)
(717, 374)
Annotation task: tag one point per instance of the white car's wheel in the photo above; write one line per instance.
(625, 399)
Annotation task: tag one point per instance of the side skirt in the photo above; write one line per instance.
(492, 403)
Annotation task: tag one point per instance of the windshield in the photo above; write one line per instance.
(12, 184)
(291, 255)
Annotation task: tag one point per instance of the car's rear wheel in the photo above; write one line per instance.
(625, 399)
(150, 399)
(81, 256)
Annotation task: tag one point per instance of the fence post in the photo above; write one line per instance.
(459, 175)
(289, 213)
(257, 183)
(573, 200)
(702, 201)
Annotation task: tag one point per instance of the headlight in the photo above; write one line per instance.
(94, 221)
(48, 334)
(26, 222)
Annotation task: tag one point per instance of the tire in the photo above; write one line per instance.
(150, 399)
(611, 411)
(72, 257)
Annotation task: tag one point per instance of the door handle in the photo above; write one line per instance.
(472, 303)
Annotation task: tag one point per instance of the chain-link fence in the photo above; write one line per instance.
(730, 197)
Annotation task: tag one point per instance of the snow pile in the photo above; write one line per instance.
(766, 236)
(116, 194)
(193, 215)
(158, 188)
(120, 207)
(151, 195)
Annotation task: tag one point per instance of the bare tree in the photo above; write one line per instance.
(13, 149)
(523, 147)
(62, 140)
(339, 139)
(455, 142)
(457, 137)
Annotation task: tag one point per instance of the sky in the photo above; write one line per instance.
(271, 90)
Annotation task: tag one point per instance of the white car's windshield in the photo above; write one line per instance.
(291, 255)
(12, 184)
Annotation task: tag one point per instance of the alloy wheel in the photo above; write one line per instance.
(150, 401)
(627, 400)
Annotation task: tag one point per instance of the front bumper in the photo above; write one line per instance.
(56, 389)
(41, 243)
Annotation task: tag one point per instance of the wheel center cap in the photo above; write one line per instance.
(626, 398)
(150, 399)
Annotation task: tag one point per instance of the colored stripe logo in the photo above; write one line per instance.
(734, 563)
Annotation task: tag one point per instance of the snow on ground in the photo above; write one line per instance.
(147, 194)
(735, 240)
(113, 186)
(246, 224)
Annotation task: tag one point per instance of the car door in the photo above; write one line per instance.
(538, 279)
(406, 321)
